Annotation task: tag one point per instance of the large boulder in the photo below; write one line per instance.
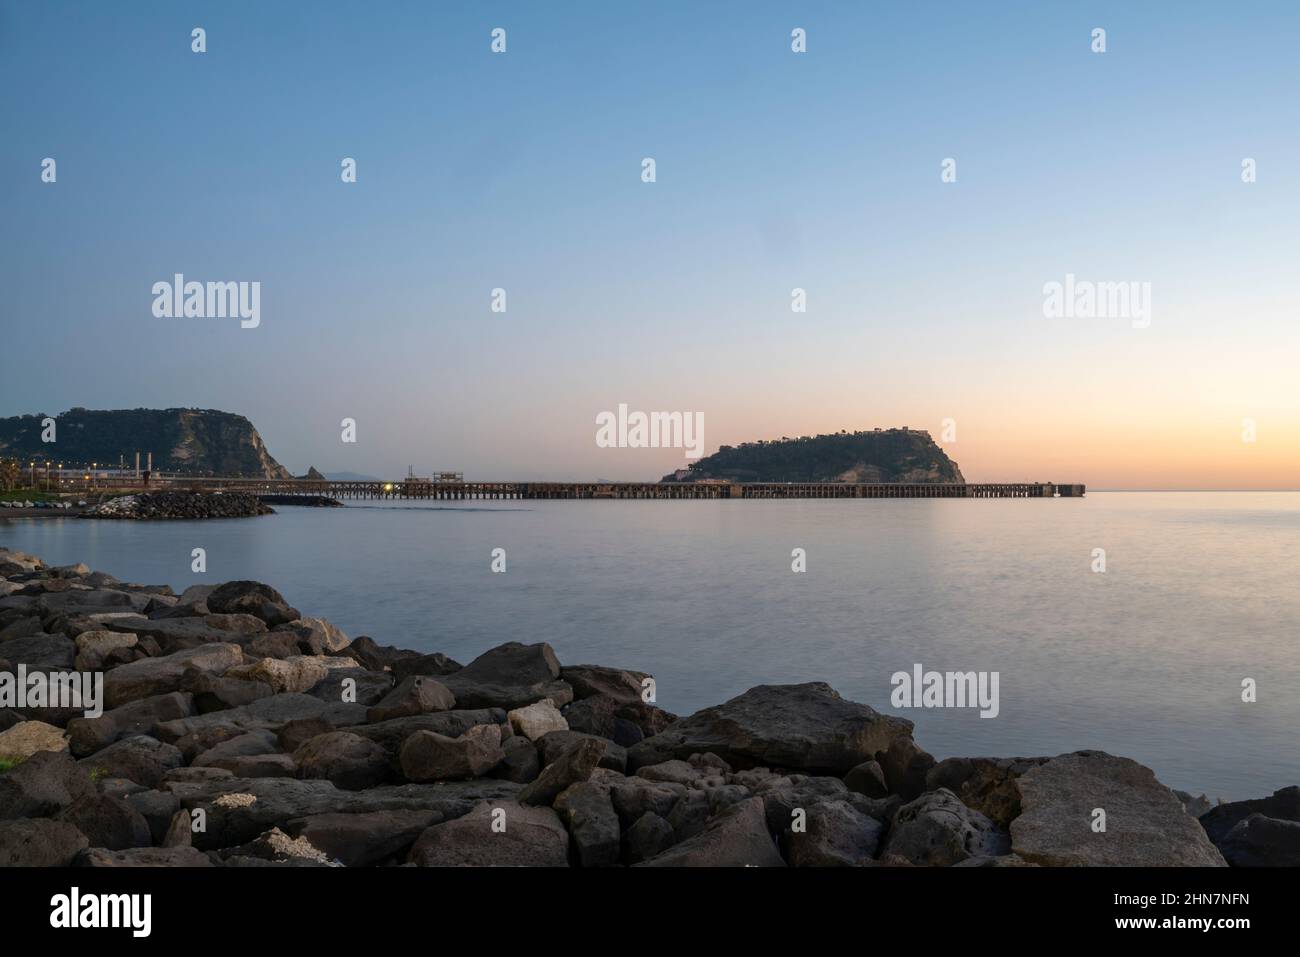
(137, 758)
(293, 675)
(989, 785)
(155, 676)
(622, 721)
(143, 857)
(555, 743)
(1260, 841)
(27, 737)
(429, 756)
(938, 830)
(392, 734)
(40, 652)
(571, 767)
(1146, 825)
(350, 761)
(88, 735)
(593, 824)
(495, 834)
(273, 713)
(737, 837)
(590, 680)
(806, 727)
(510, 676)
(834, 834)
(537, 719)
(376, 657)
(1283, 804)
(42, 785)
(251, 598)
(219, 692)
(415, 695)
(94, 647)
(39, 842)
(108, 822)
(366, 839)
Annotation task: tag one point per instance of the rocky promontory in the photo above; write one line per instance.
(237, 731)
(180, 505)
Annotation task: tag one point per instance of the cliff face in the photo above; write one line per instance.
(205, 441)
(888, 455)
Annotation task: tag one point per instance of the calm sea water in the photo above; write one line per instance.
(1145, 660)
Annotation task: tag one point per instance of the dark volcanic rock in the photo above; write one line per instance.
(586, 810)
(252, 598)
(154, 676)
(434, 665)
(509, 676)
(415, 695)
(555, 743)
(571, 767)
(42, 785)
(938, 830)
(649, 835)
(39, 842)
(836, 835)
(360, 840)
(1260, 841)
(41, 652)
(88, 735)
(108, 822)
(621, 721)
(738, 837)
(143, 857)
(350, 761)
(806, 727)
(515, 836)
(590, 680)
(1283, 804)
(521, 763)
(986, 784)
(138, 758)
(429, 756)
(376, 657)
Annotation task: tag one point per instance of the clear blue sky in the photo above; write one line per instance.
(775, 170)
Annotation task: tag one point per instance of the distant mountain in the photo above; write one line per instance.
(312, 475)
(881, 455)
(198, 441)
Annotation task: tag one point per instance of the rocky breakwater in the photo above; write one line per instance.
(238, 732)
(180, 505)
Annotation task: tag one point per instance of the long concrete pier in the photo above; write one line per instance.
(631, 490)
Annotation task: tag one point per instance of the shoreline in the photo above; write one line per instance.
(301, 746)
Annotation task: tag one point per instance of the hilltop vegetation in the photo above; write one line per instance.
(884, 455)
(198, 441)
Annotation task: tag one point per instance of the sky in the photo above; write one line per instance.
(774, 170)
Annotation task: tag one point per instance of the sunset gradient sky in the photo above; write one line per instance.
(775, 170)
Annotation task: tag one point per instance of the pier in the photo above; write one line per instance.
(533, 491)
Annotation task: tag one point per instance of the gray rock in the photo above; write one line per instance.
(805, 727)
(587, 812)
(938, 830)
(556, 743)
(415, 695)
(989, 785)
(738, 837)
(1283, 805)
(158, 808)
(868, 779)
(368, 688)
(39, 843)
(530, 837)
(521, 763)
(409, 664)
(41, 652)
(836, 835)
(143, 857)
(43, 785)
(649, 835)
(1145, 824)
(590, 680)
(350, 761)
(509, 676)
(570, 768)
(251, 598)
(107, 822)
(155, 676)
(250, 743)
(137, 758)
(218, 692)
(363, 840)
(271, 713)
(88, 735)
(1259, 841)
(428, 756)
(391, 734)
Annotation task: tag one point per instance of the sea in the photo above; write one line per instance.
(1163, 626)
